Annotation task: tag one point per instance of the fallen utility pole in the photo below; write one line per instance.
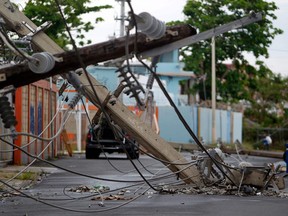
(140, 131)
(119, 113)
(251, 18)
(20, 74)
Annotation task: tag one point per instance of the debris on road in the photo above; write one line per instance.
(111, 197)
(221, 178)
(95, 189)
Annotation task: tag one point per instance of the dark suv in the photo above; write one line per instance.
(101, 138)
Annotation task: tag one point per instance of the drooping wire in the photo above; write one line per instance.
(34, 160)
(40, 134)
(28, 165)
(70, 209)
(66, 169)
(88, 176)
(12, 46)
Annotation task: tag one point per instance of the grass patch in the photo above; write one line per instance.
(23, 176)
(27, 176)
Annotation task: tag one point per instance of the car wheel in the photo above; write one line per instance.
(92, 154)
(133, 154)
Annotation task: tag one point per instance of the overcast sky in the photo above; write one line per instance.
(169, 10)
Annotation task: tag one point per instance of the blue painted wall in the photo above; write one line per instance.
(105, 75)
(200, 121)
(171, 128)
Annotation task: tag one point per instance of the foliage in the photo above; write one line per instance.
(270, 94)
(40, 11)
(236, 82)
(240, 80)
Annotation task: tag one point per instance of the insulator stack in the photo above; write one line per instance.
(150, 26)
(216, 173)
(73, 102)
(7, 113)
(45, 63)
(150, 81)
(130, 82)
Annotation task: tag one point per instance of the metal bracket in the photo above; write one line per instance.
(33, 32)
(172, 33)
(2, 77)
(107, 100)
(58, 59)
(7, 90)
(10, 6)
(99, 111)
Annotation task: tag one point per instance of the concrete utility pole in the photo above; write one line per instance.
(19, 75)
(122, 17)
(213, 93)
(251, 18)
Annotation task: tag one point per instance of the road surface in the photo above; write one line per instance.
(60, 189)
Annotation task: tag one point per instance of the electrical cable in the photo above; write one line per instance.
(179, 171)
(38, 136)
(70, 209)
(34, 160)
(237, 151)
(68, 170)
(158, 178)
(106, 179)
(33, 135)
(12, 46)
(150, 178)
(27, 166)
(31, 142)
(110, 191)
(163, 161)
(140, 184)
(241, 181)
(65, 169)
(84, 197)
(149, 165)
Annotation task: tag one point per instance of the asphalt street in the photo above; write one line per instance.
(63, 193)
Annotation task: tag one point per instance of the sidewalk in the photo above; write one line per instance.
(32, 175)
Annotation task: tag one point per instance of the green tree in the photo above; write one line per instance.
(241, 79)
(267, 106)
(40, 11)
